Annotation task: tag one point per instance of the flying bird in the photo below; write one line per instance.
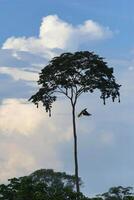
(84, 112)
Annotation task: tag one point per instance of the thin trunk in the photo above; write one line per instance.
(75, 150)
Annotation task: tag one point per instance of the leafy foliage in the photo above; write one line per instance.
(45, 184)
(40, 185)
(73, 74)
(118, 193)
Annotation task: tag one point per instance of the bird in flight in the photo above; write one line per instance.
(84, 113)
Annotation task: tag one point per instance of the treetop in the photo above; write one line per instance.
(73, 74)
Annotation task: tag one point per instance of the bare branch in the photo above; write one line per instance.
(80, 91)
(65, 93)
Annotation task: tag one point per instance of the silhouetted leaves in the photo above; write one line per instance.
(118, 193)
(45, 184)
(41, 185)
(73, 74)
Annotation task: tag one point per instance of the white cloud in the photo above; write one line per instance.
(18, 74)
(91, 30)
(15, 55)
(55, 37)
(27, 133)
(17, 117)
(56, 33)
(16, 161)
(25, 119)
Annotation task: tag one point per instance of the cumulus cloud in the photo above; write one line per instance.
(17, 117)
(24, 118)
(20, 66)
(21, 59)
(57, 34)
(12, 161)
(16, 56)
(55, 37)
(18, 74)
(27, 133)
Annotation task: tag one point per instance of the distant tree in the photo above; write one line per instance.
(73, 74)
(118, 193)
(45, 184)
(41, 185)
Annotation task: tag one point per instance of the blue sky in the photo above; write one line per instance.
(31, 33)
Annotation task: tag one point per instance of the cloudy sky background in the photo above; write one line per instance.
(31, 34)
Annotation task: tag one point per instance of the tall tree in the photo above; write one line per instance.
(73, 74)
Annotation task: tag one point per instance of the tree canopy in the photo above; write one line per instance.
(72, 74)
(45, 184)
(118, 193)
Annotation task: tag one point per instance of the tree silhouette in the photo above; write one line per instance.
(118, 193)
(43, 184)
(73, 74)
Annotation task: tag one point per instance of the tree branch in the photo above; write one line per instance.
(80, 91)
(62, 92)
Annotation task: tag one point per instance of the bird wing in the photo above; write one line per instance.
(86, 113)
(80, 113)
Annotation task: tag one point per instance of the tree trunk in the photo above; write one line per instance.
(75, 150)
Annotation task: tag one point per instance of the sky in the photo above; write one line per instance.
(31, 34)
